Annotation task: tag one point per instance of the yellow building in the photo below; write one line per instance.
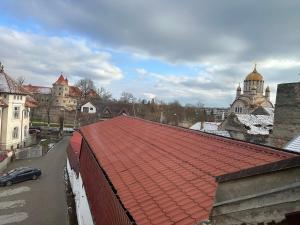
(14, 113)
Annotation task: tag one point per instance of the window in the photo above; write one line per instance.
(25, 131)
(85, 109)
(91, 109)
(15, 97)
(16, 112)
(15, 133)
(26, 114)
(21, 97)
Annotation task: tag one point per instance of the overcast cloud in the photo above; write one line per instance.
(224, 38)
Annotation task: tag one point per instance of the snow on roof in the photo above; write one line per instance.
(206, 126)
(258, 124)
(269, 110)
(210, 127)
(293, 145)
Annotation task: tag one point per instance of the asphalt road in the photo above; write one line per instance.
(37, 202)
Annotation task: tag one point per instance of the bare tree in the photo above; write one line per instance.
(85, 85)
(48, 106)
(20, 80)
(104, 94)
(126, 97)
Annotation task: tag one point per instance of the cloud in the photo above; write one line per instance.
(40, 59)
(174, 30)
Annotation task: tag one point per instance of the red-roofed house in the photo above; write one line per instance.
(15, 105)
(140, 172)
(61, 94)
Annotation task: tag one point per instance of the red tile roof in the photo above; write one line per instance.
(74, 91)
(61, 80)
(164, 174)
(30, 102)
(75, 142)
(74, 150)
(37, 89)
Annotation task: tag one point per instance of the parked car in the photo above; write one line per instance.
(19, 175)
(34, 131)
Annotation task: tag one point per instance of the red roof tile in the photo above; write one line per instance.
(164, 174)
(74, 91)
(61, 80)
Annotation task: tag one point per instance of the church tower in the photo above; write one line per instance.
(252, 95)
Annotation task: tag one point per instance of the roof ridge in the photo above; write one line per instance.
(269, 149)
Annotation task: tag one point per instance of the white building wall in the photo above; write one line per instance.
(84, 215)
(9, 122)
(90, 106)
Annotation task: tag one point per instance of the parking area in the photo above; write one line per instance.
(41, 201)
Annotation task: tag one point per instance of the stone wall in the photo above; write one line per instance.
(287, 114)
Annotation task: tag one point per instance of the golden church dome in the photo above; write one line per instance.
(254, 76)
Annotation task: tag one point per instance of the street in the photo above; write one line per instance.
(41, 201)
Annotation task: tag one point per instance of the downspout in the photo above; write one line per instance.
(22, 127)
(1, 127)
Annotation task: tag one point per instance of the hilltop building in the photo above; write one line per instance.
(15, 105)
(252, 95)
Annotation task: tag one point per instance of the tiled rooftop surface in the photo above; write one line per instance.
(164, 174)
(75, 142)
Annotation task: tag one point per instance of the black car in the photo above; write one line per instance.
(19, 175)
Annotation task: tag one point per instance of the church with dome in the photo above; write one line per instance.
(252, 96)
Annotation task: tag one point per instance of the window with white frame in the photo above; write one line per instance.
(16, 112)
(15, 133)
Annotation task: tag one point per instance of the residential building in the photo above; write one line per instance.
(255, 127)
(135, 171)
(15, 113)
(61, 94)
(88, 108)
(252, 95)
(287, 114)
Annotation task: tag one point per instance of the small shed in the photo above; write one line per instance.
(88, 108)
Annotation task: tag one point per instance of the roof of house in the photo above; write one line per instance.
(37, 89)
(75, 142)
(74, 91)
(165, 174)
(210, 127)
(8, 85)
(263, 169)
(258, 124)
(61, 80)
(294, 144)
(30, 102)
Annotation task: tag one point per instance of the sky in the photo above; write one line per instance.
(192, 51)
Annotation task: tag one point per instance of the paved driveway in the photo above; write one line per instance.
(39, 202)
